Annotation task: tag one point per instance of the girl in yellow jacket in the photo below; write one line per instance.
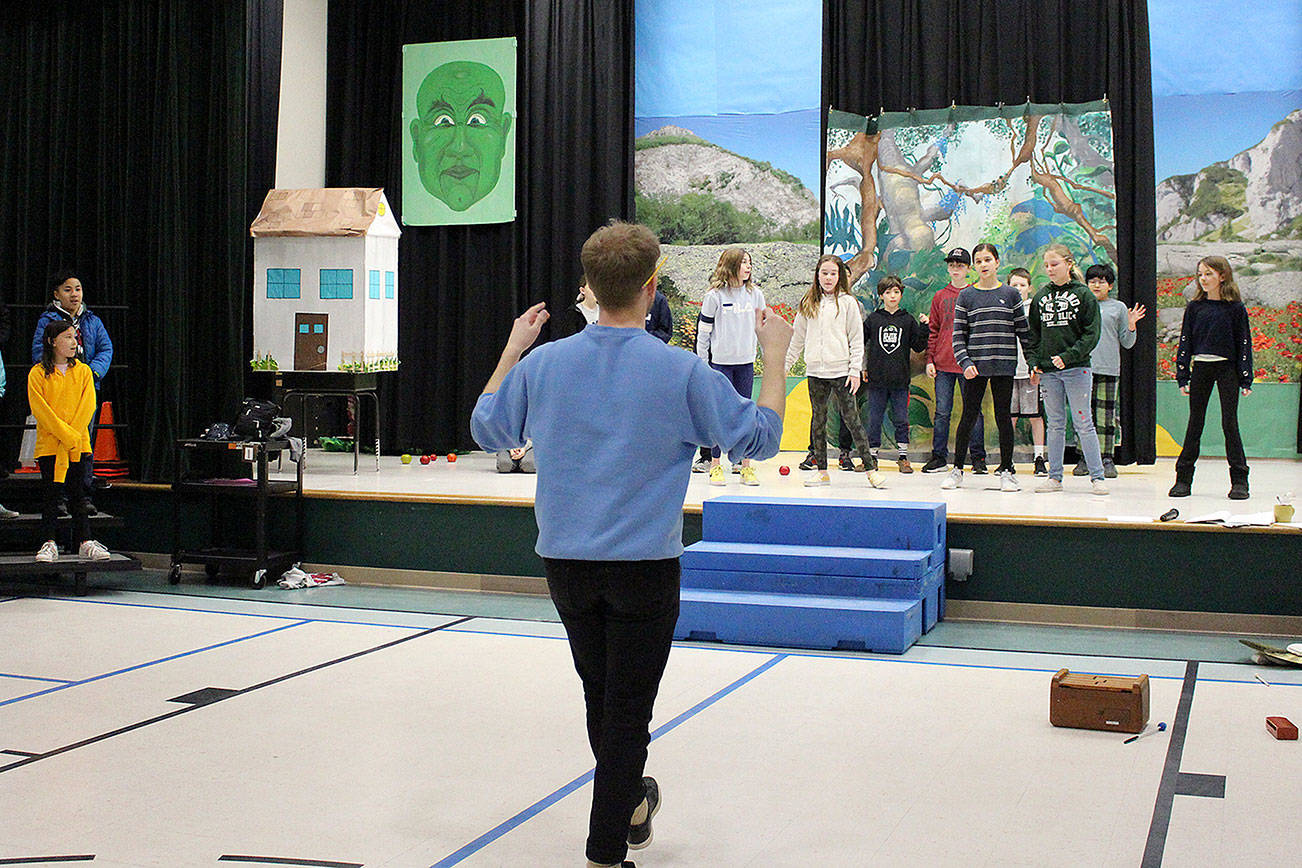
(61, 392)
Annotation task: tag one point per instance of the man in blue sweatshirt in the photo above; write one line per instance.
(615, 417)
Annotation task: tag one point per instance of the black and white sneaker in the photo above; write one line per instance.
(808, 463)
(935, 464)
(1041, 468)
(979, 466)
(639, 834)
(701, 465)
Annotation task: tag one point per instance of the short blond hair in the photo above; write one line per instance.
(618, 260)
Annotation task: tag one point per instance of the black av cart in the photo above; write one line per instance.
(208, 468)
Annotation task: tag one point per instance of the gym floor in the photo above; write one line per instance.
(359, 726)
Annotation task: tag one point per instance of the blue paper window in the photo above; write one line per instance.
(389, 278)
(302, 329)
(283, 282)
(336, 283)
(318, 329)
(374, 279)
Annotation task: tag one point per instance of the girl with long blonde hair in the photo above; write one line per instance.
(725, 337)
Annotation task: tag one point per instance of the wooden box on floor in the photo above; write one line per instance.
(1110, 702)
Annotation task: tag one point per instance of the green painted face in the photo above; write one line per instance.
(459, 135)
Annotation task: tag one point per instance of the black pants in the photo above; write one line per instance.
(1202, 377)
(620, 617)
(974, 390)
(72, 485)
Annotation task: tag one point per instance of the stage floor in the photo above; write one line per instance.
(1138, 494)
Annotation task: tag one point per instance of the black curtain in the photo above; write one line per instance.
(460, 287)
(126, 157)
(902, 54)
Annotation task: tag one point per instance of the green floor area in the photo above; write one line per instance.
(981, 635)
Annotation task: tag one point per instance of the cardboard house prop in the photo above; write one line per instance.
(325, 281)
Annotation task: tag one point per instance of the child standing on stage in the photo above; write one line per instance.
(989, 323)
(942, 366)
(725, 337)
(1215, 350)
(1026, 394)
(890, 334)
(829, 332)
(61, 392)
(1116, 330)
(1064, 325)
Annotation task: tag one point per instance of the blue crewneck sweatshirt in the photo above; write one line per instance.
(615, 417)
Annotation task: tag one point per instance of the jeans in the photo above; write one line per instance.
(1001, 389)
(1202, 377)
(899, 401)
(620, 617)
(944, 406)
(1073, 387)
(72, 486)
(742, 378)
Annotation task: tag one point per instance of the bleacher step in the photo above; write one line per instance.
(918, 526)
(809, 559)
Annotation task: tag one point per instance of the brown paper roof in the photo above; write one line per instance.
(328, 211)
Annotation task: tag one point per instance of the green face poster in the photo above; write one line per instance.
(458, 122)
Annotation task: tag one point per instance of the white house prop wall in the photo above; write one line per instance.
(325, 281)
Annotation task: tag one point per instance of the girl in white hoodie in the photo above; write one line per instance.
(830, 333)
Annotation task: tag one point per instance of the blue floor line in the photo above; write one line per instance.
(685, 644)
(295, 618)
(547, 801)
(34, 678)
(66, 685)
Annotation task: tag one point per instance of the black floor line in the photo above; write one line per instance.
(19, 752)
(281, 860)
(189, 708)
(1171, 777)
(42, 860)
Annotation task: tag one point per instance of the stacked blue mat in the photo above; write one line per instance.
(795, 572)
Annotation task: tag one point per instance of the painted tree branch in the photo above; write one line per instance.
(860, 153)
(1061, 200)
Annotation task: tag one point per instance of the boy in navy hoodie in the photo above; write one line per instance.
(889, 335)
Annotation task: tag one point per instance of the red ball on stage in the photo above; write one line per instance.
(424, 459)
(784, 470)
(452, 458)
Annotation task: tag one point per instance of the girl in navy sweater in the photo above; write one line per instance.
(1215, 350)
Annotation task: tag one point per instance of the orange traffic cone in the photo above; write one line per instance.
(107, 460)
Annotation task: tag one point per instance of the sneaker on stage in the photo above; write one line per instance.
(905, 466)
(1049, 485)
(808, 463)
(845, 462)
(1109, 469)
(1008, 481)
(748, 476)
(1041, 466)
(935, 464)
(979, 466)
(1081, 469)
(48, 553)
(717, 476)
(701, 465)
(954, 480)
(93, 550)
(1099, 487)
(816, 478)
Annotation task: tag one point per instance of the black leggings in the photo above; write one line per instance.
(1203, 376)
(974, 390)
(72, 486)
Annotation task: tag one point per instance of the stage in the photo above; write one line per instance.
(1069, 557)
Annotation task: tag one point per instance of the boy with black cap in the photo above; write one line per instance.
(942, 365)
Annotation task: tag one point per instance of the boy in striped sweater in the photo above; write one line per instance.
(989, 323)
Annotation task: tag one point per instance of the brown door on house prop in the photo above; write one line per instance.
(310, 333)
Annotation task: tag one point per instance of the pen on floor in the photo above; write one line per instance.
(1262, 680)
(1161, 727)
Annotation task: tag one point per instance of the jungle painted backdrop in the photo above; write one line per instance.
(903, 188)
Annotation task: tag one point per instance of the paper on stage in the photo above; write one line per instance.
(1132, 519)
(1247, 519)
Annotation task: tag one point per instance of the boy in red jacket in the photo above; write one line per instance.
(944, 368)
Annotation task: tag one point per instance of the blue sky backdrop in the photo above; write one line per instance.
(1224, 72)
(743, 74)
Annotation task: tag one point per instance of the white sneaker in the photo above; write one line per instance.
(92, 550)
(701, 465)
(1099, 487)
(49, 552)
(1049, 484)
(816, 478)
(1008, 481)
(953, 480)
